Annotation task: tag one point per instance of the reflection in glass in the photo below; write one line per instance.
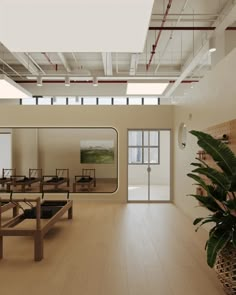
(135, 155)
(154, 138)
(135, 138)
(55, 153)
(154, 156)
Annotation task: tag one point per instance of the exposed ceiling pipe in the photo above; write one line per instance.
(188, 28)
(64, 61)
(187, 14)
(171, 20)
(171, 35)
(49, 60)
(35, 63)
(222, 23)
(7, 74)
(159, 34)
(10, 68)
(90, 81)
(75, 58)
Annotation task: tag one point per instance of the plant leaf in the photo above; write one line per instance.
(207, 202)
(215, 176)
(197, 220)
(219, 151)
(200, 181)
(216, 242)
(207, 220)
(197, 165)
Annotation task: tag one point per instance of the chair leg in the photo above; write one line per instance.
(70, 213)
(1, 247)
(15, 211)
(38, 246)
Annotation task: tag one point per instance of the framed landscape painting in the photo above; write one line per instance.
(96, 151)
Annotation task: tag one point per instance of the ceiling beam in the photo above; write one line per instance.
(224, 20)
(64, 62)
(188, 68)
(107, 63)
(26, 62)
(133, 63)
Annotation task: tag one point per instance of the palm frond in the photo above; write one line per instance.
(219, 151)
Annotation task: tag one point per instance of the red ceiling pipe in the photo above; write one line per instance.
(188, 28)
(49, 60)
(159, 34)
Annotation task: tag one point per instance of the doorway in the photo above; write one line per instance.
(148, 165)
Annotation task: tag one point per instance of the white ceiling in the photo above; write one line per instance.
(75, 25)
(36, 30)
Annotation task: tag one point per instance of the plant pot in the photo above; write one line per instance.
(225, 268)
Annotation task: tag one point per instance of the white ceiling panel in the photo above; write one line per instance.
(75, 25)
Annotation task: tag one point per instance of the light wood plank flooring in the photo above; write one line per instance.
(112, 249)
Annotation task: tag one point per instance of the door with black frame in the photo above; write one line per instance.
(148, 165)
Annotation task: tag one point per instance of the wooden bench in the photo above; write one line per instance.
(44, 214)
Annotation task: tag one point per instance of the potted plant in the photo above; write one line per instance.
(219, 186)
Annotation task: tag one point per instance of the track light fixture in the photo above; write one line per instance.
(39, 81)
(212, 44)
(67, 81)
(95, 81)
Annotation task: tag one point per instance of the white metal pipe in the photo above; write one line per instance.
(35, 63)
(10, 68)
(171, 35)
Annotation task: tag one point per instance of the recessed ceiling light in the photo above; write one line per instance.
(95, 81)
(10, 89)
(212, 45)
(146, 88)
(39, 81)
(67, 81)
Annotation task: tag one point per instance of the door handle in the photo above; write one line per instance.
(149, 169)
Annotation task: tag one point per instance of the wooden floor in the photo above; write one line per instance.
(112, 249)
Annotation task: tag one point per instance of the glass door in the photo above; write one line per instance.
(148, 165)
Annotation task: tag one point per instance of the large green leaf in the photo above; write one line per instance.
(216, 242)
(197, 220)
(215, 176)
(199, 180)
(197, 165)
(219, 193)
(219, 151)
(207, 202)
(206, 220)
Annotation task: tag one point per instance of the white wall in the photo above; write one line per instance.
(121, 118)
(211, 102)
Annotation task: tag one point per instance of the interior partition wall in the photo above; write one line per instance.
(149, 165)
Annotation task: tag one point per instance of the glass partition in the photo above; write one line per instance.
(81, 160)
